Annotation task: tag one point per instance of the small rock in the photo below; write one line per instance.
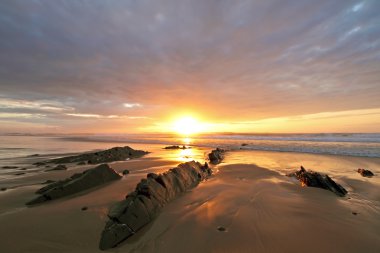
(84, 208)
(125, 172)
(19, 173)
(365, 173)
(222, 229)
(48, 181)
(34, 155)
(3, 189)
(38, 164)
(216, 156)
(9, 167)
(244, 144)
(354, 213)
(23, 169)
(177, 147)
(81, 163)
(58, 167)
(315, 179)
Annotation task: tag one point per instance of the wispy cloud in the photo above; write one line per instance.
(132, 105)
(37, 105)
(98, 116)
(21, 115)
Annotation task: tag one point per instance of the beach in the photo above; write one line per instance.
(247, 205)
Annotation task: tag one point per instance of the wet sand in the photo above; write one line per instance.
(247, 206)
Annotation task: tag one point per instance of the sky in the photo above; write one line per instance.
(108, 66)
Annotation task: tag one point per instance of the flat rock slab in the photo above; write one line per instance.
(142, 205)
(365, 173)
(216, 156)
(315, 179)
(76, 183)
(105, 156)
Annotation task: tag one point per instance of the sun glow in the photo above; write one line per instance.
(187, 126)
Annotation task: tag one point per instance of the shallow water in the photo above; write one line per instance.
(365, 145)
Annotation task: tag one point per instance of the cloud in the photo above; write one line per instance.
(98, 116)
(227, 60)
(132, 105)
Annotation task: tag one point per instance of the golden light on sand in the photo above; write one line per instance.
(187, 125)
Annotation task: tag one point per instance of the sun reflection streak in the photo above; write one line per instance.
(187, 141)
(186, 155)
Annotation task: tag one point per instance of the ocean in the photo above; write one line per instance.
(355, 144)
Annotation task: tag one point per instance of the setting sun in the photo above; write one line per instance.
(187, 126)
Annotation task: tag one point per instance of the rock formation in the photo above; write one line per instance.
(314, 179)
(216, 155)
(365, 173)
(176, 147)
(142, 205)
(58, 167)
(76, 183)
(105, 156)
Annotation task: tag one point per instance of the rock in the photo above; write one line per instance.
(82, 163)
(216, 156)
(84, 208)
(19, 173)
(9, 167)
(23, 169)
(3, 189)
(105, 156)
(354, 213)
(58, 167)
(125, 172)
(222, 229)
(76, 183)
(244, 144)
(34, 155)
(365, 173)
(38, 164)
(142, 205)
(48, 181)
(314, 179)
(176, 147)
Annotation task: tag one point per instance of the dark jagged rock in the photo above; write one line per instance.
(19, 173)
(365, 173)
(84, 208)
(48, 181)
(38, 164)
(125, 172)
(244, 144)
(142, 205)
(105, 156)
(177, 147)
(216, 156)
(58, 167)
(9, 167)
(314, 179)
(222, 229)
(34, 155)
(76, 183)
(3, 189)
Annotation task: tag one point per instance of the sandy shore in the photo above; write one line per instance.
(249, 197)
